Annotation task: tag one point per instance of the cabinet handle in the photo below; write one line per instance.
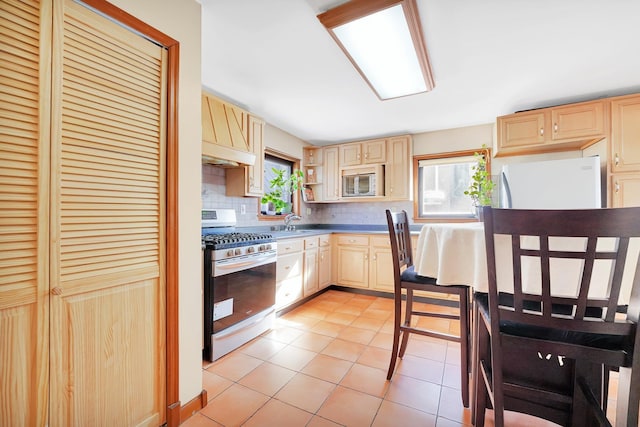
(555, 127)
(366, 257)
(56, 291)
(617, 159)
(541, 131)
(287, 267)
(617, 187)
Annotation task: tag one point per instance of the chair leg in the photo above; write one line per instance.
(464, 346)
(628, 396)
(397, 320)
(480, 388)
(407, 322)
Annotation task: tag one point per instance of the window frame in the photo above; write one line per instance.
(485, 151)
(295, 198)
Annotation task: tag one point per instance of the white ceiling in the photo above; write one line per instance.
(489, 58)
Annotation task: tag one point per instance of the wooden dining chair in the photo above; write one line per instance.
(543, 350)
(406, 281)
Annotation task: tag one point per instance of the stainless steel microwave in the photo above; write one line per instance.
(363, 181)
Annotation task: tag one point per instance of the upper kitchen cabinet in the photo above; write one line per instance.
(248, 180)
(625, 151)
(564, 128)
(625, 134)
(331, 175)
(398, 177)
(313, 171)
(225, 129)
(363, 153)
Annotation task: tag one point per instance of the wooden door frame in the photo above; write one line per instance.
(173, 58)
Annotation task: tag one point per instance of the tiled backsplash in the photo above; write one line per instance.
(213, 196)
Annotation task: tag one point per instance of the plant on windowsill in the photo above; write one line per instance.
(281, 185)
(481, 186)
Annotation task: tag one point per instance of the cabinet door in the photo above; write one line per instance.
(310, 271)
(381, 264)
(578, 121)
(331, 174)
(398, 173)
(374, 152)
(626, 190)
(350, 154)
(625, 134)
(324, 267)
(518, 130)
(289, 269)
(255, 173)
(353, 261)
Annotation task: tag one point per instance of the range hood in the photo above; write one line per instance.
(224, 134)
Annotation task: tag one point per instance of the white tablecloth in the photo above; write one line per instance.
(455, 254)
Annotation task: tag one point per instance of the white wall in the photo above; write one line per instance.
(180, 19)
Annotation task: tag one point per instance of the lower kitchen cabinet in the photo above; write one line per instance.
(310, 277)
(364, 261)
(352, 253)
(289, 268)
(381, 264)
(324, 261)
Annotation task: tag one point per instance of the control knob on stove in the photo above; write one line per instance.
(251, 249)
(238, 251)
(230, 252)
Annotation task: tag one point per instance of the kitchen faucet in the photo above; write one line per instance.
(288, 219)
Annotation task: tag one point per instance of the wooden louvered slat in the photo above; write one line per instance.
(91, 94)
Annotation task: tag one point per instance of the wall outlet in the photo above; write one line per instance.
(243, 209)
(308, 211)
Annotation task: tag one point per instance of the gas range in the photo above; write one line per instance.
(228, 247)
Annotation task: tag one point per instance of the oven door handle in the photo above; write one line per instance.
(236, 265)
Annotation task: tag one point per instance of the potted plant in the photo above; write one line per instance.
(281, 185)
(481, 186)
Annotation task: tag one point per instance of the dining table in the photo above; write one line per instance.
(454, 253)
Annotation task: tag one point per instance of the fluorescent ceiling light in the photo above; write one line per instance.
(384, 41)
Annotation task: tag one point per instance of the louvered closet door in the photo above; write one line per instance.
(107, 227)
(24, 139)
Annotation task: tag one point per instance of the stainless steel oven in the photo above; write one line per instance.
(239, 283)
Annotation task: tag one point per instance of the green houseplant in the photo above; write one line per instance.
(280, 185)
(481, 186)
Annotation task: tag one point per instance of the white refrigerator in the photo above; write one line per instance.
(552, 184)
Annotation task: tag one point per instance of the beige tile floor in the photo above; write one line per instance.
(325, 364)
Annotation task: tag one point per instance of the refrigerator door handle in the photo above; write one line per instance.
(507, 191)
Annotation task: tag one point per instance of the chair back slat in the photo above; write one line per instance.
(545, 239)
(400, 238)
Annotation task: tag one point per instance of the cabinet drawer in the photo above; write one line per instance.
(380, 241)
(290, 246)
(311, 243)
(288, 266)
(325, 240)
(353, 240)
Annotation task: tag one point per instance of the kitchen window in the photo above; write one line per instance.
(442, 180)
(279, 161)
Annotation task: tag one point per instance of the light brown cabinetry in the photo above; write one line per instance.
(363, 153)
(381, 264)
(331, 175)
(364, 261)
(83, 202)
(625, 151)
(249, 180)
(352, 255)
(289, 272)
(563, 128)
(324, 261)
(310, 277)
(398, 170)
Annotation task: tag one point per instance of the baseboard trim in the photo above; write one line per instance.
(193, 406)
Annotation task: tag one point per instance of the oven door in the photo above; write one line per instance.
(240, 295)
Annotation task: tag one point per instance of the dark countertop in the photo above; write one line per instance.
(304, 230)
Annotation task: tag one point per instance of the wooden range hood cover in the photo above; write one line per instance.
(224, 134)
